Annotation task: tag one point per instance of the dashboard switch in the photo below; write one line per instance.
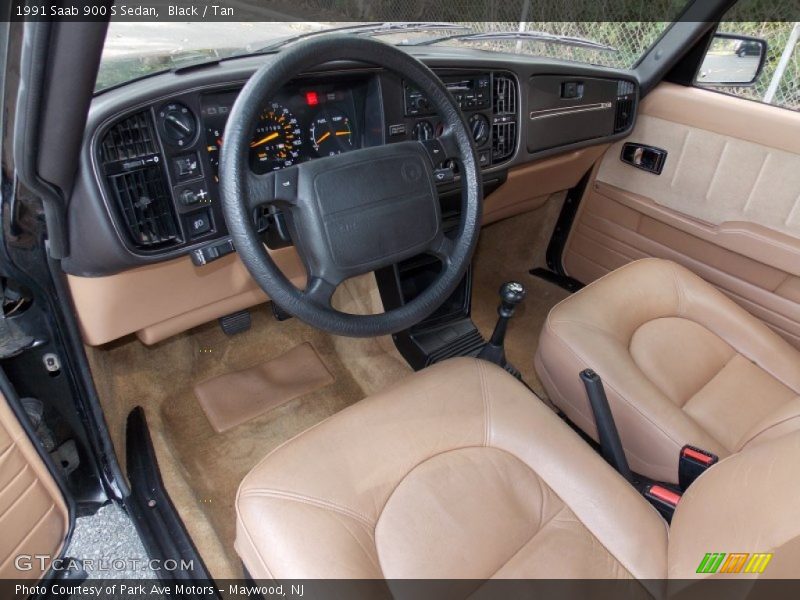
(198, 223)
(443, 175)
(193, 193)
(186, 167)
(188, 197)
(211, 252)
(435, 150)
(286, 184)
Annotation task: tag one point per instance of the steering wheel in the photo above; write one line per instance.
(351, 213)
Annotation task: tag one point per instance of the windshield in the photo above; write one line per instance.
(136, 49)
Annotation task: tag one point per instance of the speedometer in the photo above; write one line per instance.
(276, 141)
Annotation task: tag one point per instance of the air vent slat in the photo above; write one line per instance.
(623, 116)
(130, 138)
(504, 119)
(625, 105)
(505, 96)
(145, 206)
(137, 181)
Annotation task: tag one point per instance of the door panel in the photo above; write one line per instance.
(727, 205)
(713, 178)
(34, 519)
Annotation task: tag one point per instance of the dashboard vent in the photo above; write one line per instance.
(504, 140)
(623, 112)
(131, 138)
(623, 115)
(137, 182)
(146, 207)
(505, 95)
(504, 119)
(625, 87)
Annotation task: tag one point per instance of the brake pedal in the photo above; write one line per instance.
(236, 322)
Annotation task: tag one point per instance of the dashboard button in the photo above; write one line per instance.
(435, 150)
(198, 223)
(443, 175)
(186, 166)
(192, 194)
(286, 184)
(188, 197)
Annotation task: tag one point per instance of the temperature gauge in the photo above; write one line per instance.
(331, 133)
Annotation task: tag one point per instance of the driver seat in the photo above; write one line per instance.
(461, 472)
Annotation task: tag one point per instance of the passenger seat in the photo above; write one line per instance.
(681, 363)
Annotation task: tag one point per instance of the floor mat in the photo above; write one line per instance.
(507, 250)
(234, 398)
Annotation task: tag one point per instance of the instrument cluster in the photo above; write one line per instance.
(298, 125)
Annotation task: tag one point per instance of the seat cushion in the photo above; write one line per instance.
(457, 472)
(681, 363)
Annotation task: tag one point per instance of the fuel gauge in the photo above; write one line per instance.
(331, 132)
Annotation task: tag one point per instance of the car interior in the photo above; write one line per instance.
(354, 310)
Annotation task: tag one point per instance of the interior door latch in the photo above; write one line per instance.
(647, 158)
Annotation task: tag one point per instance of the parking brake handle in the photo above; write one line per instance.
(607, 434)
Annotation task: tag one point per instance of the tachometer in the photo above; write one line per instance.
(277, 140)
(331, 133)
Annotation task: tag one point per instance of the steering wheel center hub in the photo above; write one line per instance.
(367, 209)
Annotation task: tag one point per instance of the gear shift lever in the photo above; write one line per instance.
(511, 295)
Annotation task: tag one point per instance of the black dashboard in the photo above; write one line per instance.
(149, 181)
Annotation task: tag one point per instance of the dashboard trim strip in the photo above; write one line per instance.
(555, 112)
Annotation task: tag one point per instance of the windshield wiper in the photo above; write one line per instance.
(530, 36)
(371, 29)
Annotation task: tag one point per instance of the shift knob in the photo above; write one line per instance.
(512, 293)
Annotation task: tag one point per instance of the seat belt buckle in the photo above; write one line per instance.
(693, 463)
(664, 499)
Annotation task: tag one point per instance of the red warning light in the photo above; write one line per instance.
(312, 99)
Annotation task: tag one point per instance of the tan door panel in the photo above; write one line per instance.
(711, 177)
(727, 204)
(33, 516)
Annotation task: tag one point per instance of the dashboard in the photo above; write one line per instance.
(149, 189)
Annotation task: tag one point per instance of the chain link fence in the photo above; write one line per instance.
(630, 40)
(626, 40)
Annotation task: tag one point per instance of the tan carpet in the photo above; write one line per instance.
(201, 468)
(507, 250)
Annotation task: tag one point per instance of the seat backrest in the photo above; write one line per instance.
(746, 506)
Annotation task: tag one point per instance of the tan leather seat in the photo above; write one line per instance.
(681, 363)
(461, 472)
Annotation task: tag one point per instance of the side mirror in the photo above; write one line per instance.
(732, 60)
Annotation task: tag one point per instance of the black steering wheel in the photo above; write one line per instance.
(356, 212)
